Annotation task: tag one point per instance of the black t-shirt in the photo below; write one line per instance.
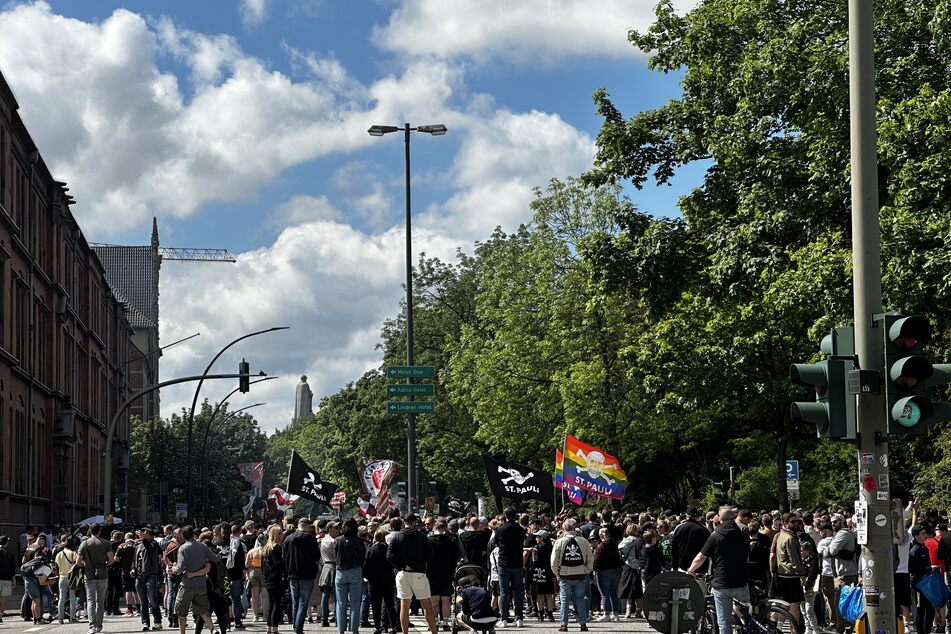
(477, 604)
(758, 559)
(7, 566)
(729, 548)
(510, 537)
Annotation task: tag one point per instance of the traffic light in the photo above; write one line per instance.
(909, 374)
(244, 381)
(833, 412)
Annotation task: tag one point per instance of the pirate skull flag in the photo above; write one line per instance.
(593, 470)
(304, 481)
(510, 480)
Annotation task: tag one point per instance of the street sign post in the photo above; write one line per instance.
(410, 407)
(411, 389)
(411, 372)
(792, 479)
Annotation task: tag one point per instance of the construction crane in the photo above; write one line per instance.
(184, 254)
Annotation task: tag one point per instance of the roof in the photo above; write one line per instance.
(132, 272)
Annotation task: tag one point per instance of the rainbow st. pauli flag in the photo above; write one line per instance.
(593, 470)
(575, 494)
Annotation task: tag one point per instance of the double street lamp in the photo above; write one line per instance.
(438, 129)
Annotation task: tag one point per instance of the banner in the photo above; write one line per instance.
(510, 480)
(593, 470)
(375, 479)
(281, 499)
(575, 495)
(304, 481)
(253, 474)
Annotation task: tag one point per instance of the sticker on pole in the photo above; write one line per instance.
(869, 483)
(868, 458)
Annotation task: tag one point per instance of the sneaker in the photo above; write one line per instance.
(239, 626)
(146, 628)
(617, 617)
(584, 627)
(325, 623)
(563, 628)
(518, 622)
(602, 617)
(501, 624)
(157, 626)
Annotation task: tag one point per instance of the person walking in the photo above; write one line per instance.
(409, 552)
(349, 555)
(446, 554)
(253, 562)
(65, 560)
(235, 571)
(785, 562)
(301, 558)
(327, 571)
(607, 570)
(379, 575)
(844, 549)
(571, 563)
(7, 574)
(146, 570)
(96, 557)
(193, 564)
(728, 547)
(275, 576)
(919, 566)
(510, 538)
(169, 558)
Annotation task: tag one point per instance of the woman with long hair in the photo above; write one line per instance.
(252, 562)
(349, 553)
(275, 576)
(607, 571)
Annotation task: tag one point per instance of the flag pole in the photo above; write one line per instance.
(290, 467)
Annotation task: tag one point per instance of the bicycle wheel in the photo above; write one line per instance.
(775, 619)
(708, 623)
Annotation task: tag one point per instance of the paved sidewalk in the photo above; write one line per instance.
(132, 625)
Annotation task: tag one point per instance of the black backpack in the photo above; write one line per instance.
(572, 555)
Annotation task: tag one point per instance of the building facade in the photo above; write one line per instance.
(66, 342)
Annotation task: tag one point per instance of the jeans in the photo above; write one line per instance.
(237, 599)
(723, 599)
(170, 597)
(96, 600)
(326, 591)
(300, 599)
(608, 582)
(515, 577)
(349, 591)
(574, 590)
(67, 597)
(147, 589)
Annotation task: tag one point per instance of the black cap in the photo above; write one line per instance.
(412, 518)
(693, 511)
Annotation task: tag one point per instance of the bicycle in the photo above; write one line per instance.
(761, 615)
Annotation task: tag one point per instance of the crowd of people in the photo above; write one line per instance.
(378, 572)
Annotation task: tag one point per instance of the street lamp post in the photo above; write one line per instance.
(204, 447)
(438, 129)
(191, 414)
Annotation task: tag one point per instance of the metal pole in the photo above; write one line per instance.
(204, 447)
(869, 340)
(111, 431)
(191, 414)
(412, 478)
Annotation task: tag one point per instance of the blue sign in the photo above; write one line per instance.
(792, 470)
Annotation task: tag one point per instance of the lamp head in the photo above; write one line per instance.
(380, 130)
(436, 129)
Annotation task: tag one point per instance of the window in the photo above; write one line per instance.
(3, 164)
(42, 345)
(20, 466)
(22, 322)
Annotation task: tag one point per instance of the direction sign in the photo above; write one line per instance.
(792, 470)
(410, 407)
(411, 372)
(411, 389)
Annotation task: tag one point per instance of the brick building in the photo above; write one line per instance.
(66, 343)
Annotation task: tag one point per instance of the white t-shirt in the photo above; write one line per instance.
(823, 548)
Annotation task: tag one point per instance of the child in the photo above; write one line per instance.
(542, 577)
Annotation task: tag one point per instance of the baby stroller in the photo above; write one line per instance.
(464, 570)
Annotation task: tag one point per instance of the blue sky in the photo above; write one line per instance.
(242, 125)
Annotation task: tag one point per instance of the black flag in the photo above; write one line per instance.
(304, 481)
(510, 480)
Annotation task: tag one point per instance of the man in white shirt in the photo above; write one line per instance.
(827, 573)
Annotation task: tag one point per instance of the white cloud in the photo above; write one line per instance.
(253, 12)
(501, 161)
(131, 145)
(334, 285)
(529, 31)
(301, 209)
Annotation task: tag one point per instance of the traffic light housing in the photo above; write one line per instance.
(833, 412)
(244, 381)
(909, 374)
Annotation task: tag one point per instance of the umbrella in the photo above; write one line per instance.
(99, 519)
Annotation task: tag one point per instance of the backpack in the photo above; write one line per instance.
(848, 555)
(28, 570)
(572, 556)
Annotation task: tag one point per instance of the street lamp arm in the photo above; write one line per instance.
(111, 431)
(191, 413)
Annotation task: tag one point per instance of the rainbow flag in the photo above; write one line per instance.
(575, 494)
(593, 470)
